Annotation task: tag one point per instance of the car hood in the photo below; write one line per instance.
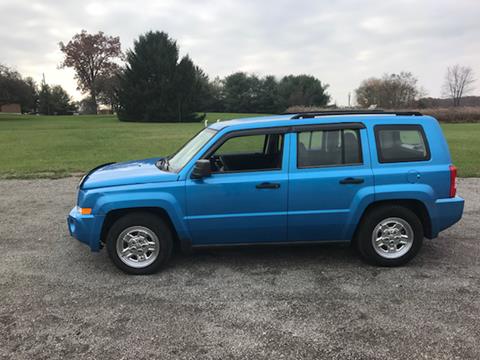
(126, 173)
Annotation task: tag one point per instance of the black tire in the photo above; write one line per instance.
(146, 220)
(374, 217)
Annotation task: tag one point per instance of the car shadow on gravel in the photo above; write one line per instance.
(276, 258)
(324, 256)
(281, 256)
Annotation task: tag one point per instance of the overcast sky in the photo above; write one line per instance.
(341, 42)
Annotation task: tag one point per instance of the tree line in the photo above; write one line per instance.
(156, 84)
(400, 91)
(151, 82)
(44, 99)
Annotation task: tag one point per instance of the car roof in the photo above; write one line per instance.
(313, 119)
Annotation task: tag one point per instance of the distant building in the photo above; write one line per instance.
(104, 111)
(11, 108)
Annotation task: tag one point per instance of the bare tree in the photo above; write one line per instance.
(458, 82)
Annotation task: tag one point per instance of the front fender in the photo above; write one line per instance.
(171, 199)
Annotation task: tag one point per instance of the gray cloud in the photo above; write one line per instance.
(341, 42)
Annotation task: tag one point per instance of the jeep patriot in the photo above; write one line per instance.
(379, 180)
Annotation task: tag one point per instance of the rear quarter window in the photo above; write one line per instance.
(401, 143)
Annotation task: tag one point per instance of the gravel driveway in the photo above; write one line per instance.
(60, 301)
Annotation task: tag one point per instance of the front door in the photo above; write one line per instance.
(245, 199)
(331, 169)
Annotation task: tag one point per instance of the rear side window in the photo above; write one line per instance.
(401, 143)
(328, 147)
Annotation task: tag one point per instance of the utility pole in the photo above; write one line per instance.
(349, 97)
(46, 94)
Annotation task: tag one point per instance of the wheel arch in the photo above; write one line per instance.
(415, 205)
(115, 214)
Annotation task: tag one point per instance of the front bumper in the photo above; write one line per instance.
(85, 228)
(448, 212)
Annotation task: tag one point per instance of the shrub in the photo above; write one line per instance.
(454, 114)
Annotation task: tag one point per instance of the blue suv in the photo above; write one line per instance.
(380, 180)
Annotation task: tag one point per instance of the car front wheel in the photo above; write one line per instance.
(390, 236)
(139, 243)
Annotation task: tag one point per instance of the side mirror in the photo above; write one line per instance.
(202, 169)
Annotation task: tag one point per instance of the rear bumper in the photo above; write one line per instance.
(85, 228)
(448, 212)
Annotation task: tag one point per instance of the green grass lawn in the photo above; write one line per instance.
(464, 143)
(53, 146)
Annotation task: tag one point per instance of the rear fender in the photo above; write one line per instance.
(421, 192)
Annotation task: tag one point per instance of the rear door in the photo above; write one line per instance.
(329, 170)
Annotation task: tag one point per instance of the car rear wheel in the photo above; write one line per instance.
(139, 243)
(389, 236)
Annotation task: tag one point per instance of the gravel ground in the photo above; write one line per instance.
(58, 300)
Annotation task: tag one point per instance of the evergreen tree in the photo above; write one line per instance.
(154, 85)
(185, 81)
(60, 102)
(44, 99)
(54, 100)
(268, 98)
(214, 99)
(204, 92)
(303, 90)
(241, 92)
(32, 102)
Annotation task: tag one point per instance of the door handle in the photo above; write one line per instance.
(351, 180)
(267, 185)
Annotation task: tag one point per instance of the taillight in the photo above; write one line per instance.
(453, 181)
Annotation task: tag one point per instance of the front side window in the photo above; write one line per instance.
(248, 153)
(400, 143)
(242, 145)
(328, 147)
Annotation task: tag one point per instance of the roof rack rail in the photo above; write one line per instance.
(312, 114)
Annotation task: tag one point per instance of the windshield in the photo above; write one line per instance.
(183, 156)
